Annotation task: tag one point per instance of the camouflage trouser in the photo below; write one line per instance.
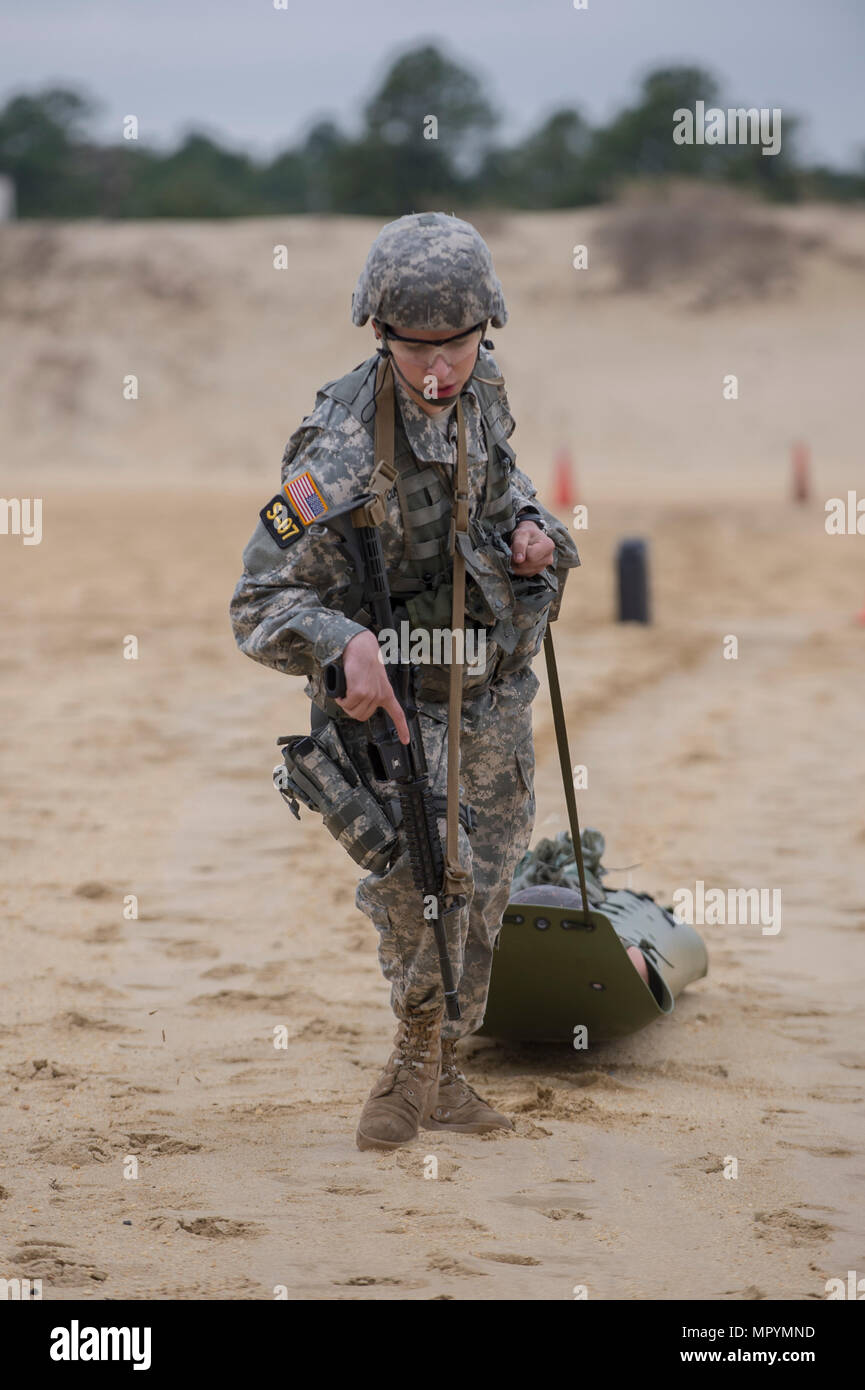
(497, 779)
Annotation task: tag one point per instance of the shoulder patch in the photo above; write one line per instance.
(305, 497)
(281, 522)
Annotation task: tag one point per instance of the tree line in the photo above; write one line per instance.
(428, 139)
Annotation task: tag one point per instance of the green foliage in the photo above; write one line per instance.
(638, 143)
(200, 179)
(41, 147)
(423, 82)
(393, 166)
(548, 170)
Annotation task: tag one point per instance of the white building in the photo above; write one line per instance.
(7, 198)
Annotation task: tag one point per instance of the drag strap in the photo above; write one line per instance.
(457, 879)
(565, 761)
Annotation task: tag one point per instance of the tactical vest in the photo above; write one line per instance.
(512, 611)
(425, 503)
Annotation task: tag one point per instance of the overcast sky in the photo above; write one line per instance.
(257, 77)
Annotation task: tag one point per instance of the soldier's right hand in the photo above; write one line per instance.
(367, 685)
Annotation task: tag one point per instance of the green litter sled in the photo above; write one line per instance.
(558, 966)
(553, 970)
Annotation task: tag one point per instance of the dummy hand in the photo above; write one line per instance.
(531, 549)
(367, 686)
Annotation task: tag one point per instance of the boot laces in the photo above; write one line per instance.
(413, 1051)
(450, 1070)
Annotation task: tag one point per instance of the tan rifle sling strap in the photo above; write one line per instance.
(456, 878)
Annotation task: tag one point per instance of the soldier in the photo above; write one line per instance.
(430, 289)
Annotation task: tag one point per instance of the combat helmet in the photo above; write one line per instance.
(429, 270)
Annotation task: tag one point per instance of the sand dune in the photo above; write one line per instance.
(153, 1036)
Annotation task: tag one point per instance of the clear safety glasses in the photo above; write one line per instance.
(420, 353)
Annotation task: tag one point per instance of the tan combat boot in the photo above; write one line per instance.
(403, 1092)
(457, 1107)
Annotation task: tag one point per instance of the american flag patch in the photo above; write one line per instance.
(305, 498)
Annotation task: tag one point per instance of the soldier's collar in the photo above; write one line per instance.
(426, 437)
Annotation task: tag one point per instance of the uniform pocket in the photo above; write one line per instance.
(517, 833)
(525, 760)
(526, 768)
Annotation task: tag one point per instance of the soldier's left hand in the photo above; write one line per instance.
(531, 549)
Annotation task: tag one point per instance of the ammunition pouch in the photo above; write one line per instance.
(430, 608)
(516, 606)
(316, 771)
(534, 596)
(489, 592)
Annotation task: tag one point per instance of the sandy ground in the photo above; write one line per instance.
(154, 1037)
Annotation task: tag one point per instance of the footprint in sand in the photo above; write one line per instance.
(41, 1069)
(443, 1263)
(188, 949)
(49, 1260)
(795, 1229)
(157, 1144)
(338, 1191)
(816, 1150)
(241, 998)
(504, 1259)
(704, 1163)
(364, 1279)
(73, 1019)
(414, 1161)
(74, 1152)
(221, 1228)
(523, 1129)
(224, 972)
(92, 889)
(772, 1114)
(208, 1227)
(104, 935)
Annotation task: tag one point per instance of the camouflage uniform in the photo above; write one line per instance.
(289, 612)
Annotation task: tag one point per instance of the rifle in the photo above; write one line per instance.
(404, 764)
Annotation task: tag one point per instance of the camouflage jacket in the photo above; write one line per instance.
(291, 607)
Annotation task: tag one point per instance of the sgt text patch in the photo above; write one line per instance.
(281, 521)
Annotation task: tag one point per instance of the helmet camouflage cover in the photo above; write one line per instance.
(432, 271)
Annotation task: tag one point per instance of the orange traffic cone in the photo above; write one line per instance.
(564, 486)
(801, 461)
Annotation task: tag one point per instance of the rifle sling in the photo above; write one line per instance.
(565, 762)
(457, 879)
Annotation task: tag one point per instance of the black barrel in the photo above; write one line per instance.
(632, 563)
